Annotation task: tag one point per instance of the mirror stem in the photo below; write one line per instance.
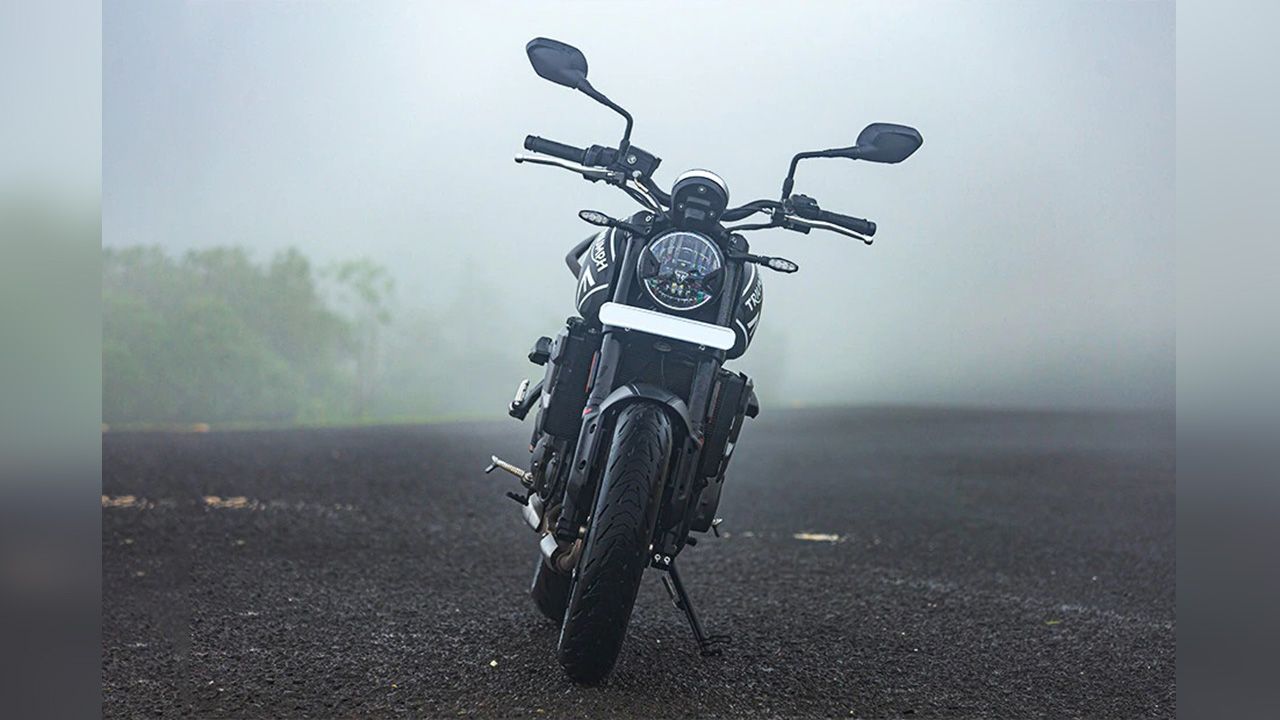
(585, 88)
(791, 174)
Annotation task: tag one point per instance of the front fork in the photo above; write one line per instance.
(569, 531)
(573, 518)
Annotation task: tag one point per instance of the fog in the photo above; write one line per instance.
(1025, 255)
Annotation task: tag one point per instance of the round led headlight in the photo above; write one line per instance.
(681, 270)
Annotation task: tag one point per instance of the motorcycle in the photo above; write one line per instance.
(637, 416)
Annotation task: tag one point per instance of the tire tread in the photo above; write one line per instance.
(616, 552)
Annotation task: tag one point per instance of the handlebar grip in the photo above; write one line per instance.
(536, 144)
(858, 225)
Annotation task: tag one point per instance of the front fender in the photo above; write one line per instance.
(671, 402)
(590, 444)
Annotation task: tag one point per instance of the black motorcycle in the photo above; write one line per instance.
(637, 416)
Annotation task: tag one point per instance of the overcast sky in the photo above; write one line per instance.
(1025, 253)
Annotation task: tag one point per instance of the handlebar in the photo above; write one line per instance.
(594, 163)
(858, 225)
(751, 208)
(533, 143)
(807, 208)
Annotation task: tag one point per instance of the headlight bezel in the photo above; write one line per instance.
(706, 257)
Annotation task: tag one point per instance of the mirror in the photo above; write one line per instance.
(885, 143)
(560, 63)
(565, 65)
(878, 142)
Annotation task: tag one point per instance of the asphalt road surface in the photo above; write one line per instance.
(957, 564)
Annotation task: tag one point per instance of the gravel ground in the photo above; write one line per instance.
(960, 564)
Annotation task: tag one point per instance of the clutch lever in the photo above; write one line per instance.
(589, 173)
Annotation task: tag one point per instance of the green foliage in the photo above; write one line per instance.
(362, 289)
(214, 336)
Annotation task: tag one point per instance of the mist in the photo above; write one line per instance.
(1025, 255)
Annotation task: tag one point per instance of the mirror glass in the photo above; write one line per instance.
(887, 143)
(560, 63)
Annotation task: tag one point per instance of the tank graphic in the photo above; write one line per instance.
(751, 303)
(597, 268)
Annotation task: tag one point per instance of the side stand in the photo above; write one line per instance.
(708, 645)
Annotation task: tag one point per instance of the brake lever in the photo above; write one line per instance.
(822, 225)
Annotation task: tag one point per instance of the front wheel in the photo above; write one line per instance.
(617, 543)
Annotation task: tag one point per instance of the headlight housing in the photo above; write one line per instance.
(681, 270)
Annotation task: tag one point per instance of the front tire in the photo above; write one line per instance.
(617, 543)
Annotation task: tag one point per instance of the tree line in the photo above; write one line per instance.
(215, 335)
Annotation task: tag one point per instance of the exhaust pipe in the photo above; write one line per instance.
(561, 557)
(548, 546)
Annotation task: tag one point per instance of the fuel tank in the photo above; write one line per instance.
(605, 249)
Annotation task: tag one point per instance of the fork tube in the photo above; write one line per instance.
(601, 385)
(709, 365)
(610, 346)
